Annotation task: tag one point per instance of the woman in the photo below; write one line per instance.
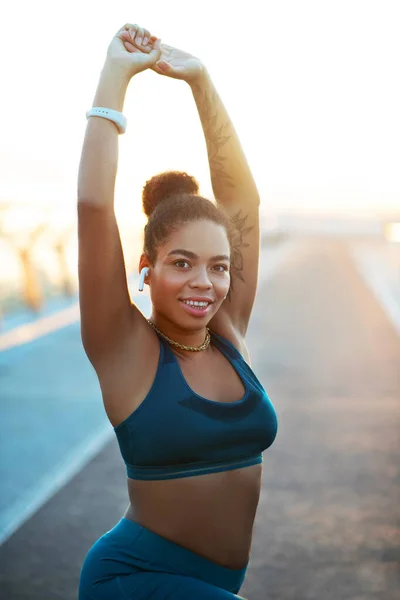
(190, 416)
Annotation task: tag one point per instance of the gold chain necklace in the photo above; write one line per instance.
(203, 346)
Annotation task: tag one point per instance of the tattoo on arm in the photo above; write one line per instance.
(222, 177)
(216, 137)
(239, 229)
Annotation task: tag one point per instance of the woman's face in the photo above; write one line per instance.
(192, 266)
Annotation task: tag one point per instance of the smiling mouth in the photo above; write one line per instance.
(197, 304)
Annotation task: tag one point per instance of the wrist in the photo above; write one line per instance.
(116, 72)
(112, 85)
(201, 79)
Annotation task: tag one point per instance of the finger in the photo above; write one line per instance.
(145, 49)
(130, 47)
(166, 48)
(126, 27)
(127, 41)
(158, 70)
(163, 67)
(125, 36)
(139, 36)
(146, 37)
(156, 50)
(132, 31)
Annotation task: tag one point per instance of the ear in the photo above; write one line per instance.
(144, 266)
(143, 261)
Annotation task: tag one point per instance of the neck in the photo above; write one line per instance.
(178, 337)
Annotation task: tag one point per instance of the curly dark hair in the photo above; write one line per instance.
(170, 200)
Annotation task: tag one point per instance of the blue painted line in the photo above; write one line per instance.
(53, 421)
(50, 307)
(12, 320)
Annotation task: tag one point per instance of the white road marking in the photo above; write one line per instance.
(23, 334)
(52, 482)
(29, 332)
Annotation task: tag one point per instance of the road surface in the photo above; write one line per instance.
(328, 522)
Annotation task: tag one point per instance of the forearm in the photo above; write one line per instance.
(99, 158)
(231, 177)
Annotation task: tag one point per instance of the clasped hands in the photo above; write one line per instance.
(133, 49)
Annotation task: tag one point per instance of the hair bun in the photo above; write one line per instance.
(161, 186)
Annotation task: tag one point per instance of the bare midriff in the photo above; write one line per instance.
(211, 515)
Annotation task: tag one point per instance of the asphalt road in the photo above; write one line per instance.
(328, 522)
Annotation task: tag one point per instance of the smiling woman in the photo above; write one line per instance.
(197, 283)
(189, 227)
(190, 416)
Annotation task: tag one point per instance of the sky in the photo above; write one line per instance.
(312, 87)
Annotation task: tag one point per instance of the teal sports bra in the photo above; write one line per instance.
(176, 433)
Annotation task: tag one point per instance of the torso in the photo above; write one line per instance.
(213, 514)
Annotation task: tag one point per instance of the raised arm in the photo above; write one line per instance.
(233, 184)
(106, 309)
(235, 193)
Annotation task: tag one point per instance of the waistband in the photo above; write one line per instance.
(160, 554)
(189, 469)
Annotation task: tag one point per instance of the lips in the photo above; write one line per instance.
(196, 311)
(197, 299)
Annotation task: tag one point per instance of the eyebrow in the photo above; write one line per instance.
(194, 256)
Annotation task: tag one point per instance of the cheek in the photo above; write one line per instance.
(168, 284)
(221, 285)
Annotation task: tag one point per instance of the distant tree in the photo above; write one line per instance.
(60, 247)
(32, 290)
(23, 245)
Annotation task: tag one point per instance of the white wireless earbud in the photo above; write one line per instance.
(143, 274)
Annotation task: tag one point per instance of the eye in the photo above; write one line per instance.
(221, 268)
(181, 262)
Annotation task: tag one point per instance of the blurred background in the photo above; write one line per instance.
(313, 90)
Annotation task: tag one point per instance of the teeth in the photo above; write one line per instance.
(195, 303)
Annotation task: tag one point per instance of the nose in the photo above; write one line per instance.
(201, 279)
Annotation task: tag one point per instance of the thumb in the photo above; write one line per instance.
(156, 51)
(164, 66)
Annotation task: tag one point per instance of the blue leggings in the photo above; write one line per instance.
(132, 562)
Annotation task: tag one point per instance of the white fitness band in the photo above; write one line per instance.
(108, 113)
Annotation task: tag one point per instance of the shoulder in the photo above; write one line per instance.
(226, 330)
